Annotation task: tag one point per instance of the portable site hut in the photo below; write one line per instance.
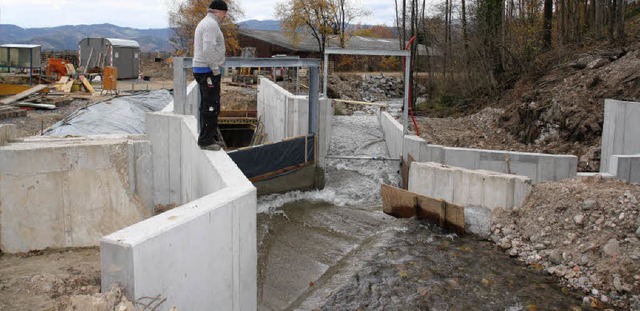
(21, 57)
(120, 53)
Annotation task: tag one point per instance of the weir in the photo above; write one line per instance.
(358, 256)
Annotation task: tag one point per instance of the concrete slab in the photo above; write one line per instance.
(56, 194)
(7, 133)
(480, 191)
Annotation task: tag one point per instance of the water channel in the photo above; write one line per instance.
(334, 249)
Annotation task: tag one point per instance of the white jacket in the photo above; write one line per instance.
(208, 44)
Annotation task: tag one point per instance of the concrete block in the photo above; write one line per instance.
(524, 164)
(141, 172)
(478, 220)
(498, 190)
(432, 180)
(493, 161)
(546, 169)
(156, 126)
(620, 132)
(462, 157)
(631, 130)
(521, 189)
(412, 145)
(634, 176)
(7, 133)
(435, 153)
(80, 193)
(566, 166)
(194, 273)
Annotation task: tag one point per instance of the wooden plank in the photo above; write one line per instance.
(431, 209)
(12, 89)
(455, 218)
(63, 80)
(67, 87)
(23, 94)
(86, 84)
(398, 202)
(279, 172)
(70, 69)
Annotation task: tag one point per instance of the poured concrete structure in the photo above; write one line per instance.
(202, 253)
(539, 167)
(57, 193)
(620, 152)
(286, 115)
(480, 192)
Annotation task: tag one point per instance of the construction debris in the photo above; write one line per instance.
(23, 94)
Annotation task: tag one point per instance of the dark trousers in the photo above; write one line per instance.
(209, 107)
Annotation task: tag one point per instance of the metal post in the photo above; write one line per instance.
(405, 130)
(326, 74)
(31, 66)
(314, 85)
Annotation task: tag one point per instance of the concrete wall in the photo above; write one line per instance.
(57, 193)
(626, 167)
(620, 136)
(480, 192)
(202, 254)
(7, 133)
(538, 167)
(286, 115)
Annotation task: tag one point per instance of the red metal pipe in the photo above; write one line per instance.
(404, 64)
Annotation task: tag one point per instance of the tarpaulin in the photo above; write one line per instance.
(120, 115)
(275, 158)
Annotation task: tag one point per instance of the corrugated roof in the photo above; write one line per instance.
(22, 46)
(309, 44)
(123, 43)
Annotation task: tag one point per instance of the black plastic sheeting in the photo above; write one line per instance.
(264, 159)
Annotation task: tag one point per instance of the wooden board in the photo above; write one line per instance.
(67, 87)
(455, 218)
(398, 202)
(87, 85)
(432, 209)
(23, 94)
(70, 69)
(401, 203)
(12, 89)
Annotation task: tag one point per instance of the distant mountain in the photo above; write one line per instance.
(269, 24)
(67, 37)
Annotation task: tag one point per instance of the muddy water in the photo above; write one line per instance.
(334, 249)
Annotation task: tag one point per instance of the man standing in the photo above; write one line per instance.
(208, 57)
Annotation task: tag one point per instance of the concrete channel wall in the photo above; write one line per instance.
(69, 192)
(538, 167)
(620, 153)
(480, 192)
(201, 254)
(286, 115)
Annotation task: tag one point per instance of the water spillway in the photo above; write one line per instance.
(334, 249)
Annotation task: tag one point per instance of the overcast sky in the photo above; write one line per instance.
(139, 13)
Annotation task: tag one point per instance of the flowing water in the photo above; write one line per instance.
(334, 249)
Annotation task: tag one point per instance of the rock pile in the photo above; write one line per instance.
(378, 87)
(586, 232)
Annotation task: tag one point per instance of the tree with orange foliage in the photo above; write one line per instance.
(185, 16)
(376, 31)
